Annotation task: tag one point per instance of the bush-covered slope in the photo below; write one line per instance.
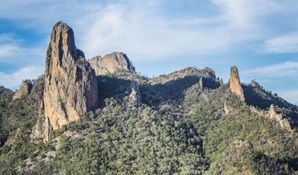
(185, 133)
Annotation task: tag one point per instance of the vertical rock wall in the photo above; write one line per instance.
(235, 85)
(71, 88)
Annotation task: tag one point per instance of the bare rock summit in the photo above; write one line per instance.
(235, 85)
(24, 89)
(111, 63)
(71, 88)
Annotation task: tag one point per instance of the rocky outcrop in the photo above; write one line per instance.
(42, 129)
(227, 108)
(111, 63)
(201, 83)
(254, 110)
(71, 88)
(221, 82)
(24, 90)
(272, 115)
(135, 95)
(235, 85)
(210, 72)
(278, 118)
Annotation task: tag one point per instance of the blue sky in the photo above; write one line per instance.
(260, 37)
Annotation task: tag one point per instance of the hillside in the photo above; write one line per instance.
(100, 117)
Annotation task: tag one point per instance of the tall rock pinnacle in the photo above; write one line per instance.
(235, 85)
(71, 88)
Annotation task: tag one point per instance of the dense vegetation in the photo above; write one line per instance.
(184, 132)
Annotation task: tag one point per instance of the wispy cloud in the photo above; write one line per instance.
(150, 30)
(285, 69)
(8, 50)
(13, 80)
(246, 13)
(291, 95)
(146, 33)
(15, 51)
(281, 44)
(8, 45)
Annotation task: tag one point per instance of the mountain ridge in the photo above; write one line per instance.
(184, 122)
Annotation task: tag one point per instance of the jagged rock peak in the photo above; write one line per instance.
(71, 88)
(189, 71)
(278, 118)
(24, 89)
(209, 71)
(235, 85)
(111, 63)
(227, 108)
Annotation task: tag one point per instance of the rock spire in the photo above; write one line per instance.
(24, 89)
(235, 85)
(71, 88)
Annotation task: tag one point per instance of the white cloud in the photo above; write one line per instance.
(8, 45)
(144, 33)
(286, 69)
(246, 13)
(14, 80)
(282, 44)
(8, 50)
(290, 95)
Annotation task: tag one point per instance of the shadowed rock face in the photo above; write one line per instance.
(235, 85)
(111, 63)
(71, 88)
(24, 89)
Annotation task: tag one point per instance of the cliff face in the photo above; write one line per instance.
(71, 88)
(111, 63)
(24, 89)
(235, 85)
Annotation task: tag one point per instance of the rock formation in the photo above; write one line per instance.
(71, 88)
(135, 95)
(272, 115)
(210, 72)
(111, 63)
(235, 85)
(283, 122)
(227, 108)
(24, 90)
(42, 129)
(201, 83)
(221, 82)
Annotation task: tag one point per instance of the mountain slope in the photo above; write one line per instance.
(185, 122)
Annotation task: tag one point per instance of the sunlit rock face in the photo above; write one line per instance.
(235, 85)
(71, 88)
(24, 89)
(111, 63)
